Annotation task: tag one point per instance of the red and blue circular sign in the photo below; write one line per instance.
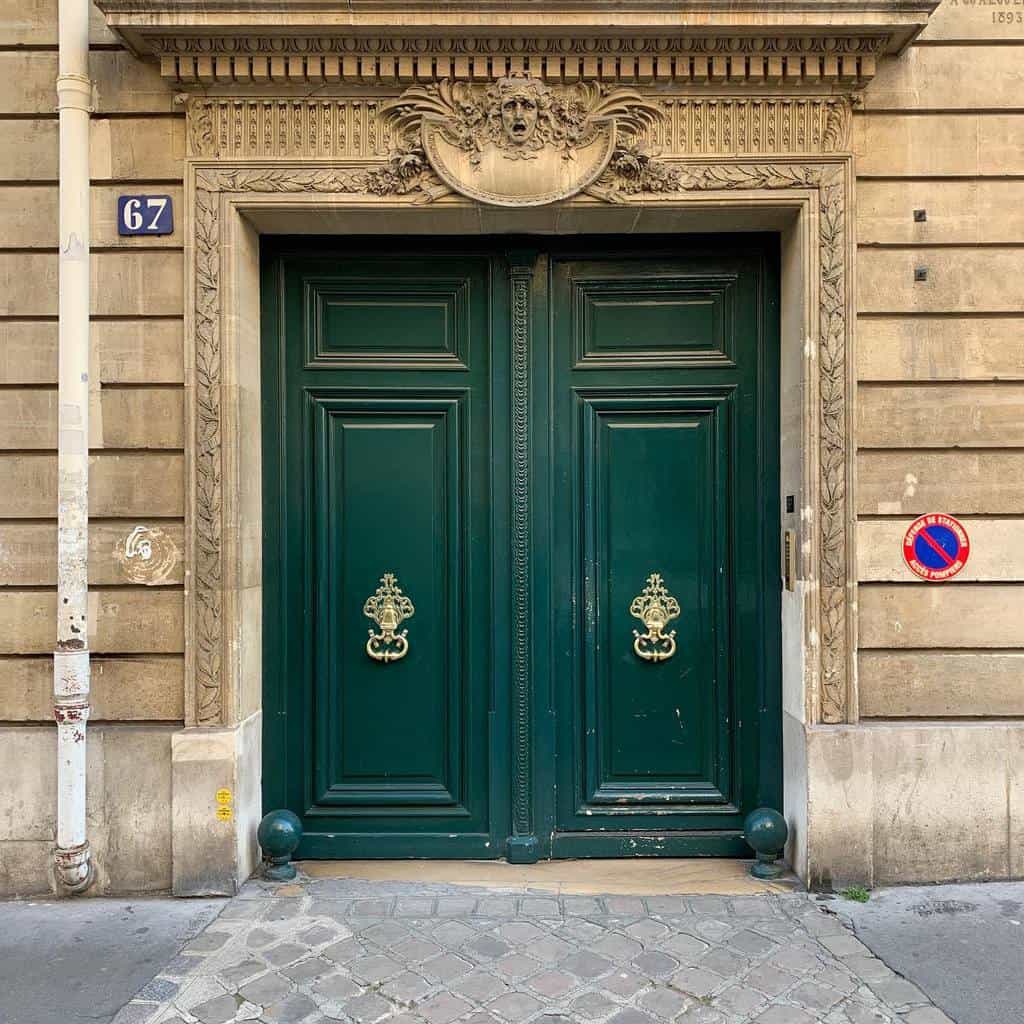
(936, 547)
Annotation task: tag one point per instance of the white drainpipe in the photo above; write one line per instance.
(75, 870)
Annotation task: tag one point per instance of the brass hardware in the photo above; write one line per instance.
(389, 608)
(655, 608)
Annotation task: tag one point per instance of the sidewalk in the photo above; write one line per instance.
(519, 946)
(364, 951)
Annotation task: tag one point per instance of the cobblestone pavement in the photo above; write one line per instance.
(362, 952)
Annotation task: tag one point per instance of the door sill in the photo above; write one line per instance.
(662, 876)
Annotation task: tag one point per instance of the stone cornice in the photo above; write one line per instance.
(780, 42)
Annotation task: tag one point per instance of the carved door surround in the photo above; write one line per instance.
(442, 120)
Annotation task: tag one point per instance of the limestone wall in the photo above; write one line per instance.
(137, 466)
(940, 421)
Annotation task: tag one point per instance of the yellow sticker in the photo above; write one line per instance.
(224, 813)
(223, 796)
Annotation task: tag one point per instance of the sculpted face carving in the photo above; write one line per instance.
(519, 116)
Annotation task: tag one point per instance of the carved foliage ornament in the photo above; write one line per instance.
(519, 141)
(832, 623)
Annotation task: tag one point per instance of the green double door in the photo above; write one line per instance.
(521, 557)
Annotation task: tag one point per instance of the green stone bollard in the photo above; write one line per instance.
(765, 830)
(279, 835)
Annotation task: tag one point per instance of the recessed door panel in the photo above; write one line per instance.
(388, 499)
(653, 478)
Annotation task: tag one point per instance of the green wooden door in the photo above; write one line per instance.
(380, 458)
(523, 436)
(665, 498)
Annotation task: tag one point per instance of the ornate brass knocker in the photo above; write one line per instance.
(655, 608)
(388, 607)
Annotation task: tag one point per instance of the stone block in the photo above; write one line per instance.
(145, 688)
(958, 482)
(940, 684)
(922, 615)
(993, 559)
(940, 348)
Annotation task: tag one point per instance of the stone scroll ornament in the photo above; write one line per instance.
(521, 142)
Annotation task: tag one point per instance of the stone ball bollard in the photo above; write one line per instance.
(765, 830)
(279, 835)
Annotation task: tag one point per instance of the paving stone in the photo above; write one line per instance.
(552, 984)
(665, 1002)
(371, 969)
(713, 929)
(868, 968)
(519, 932)
(686, 947)
(514, 1006)
(235, 974)
(496, 906)
(551, 949)
(516, 966)
(584, 932)
(345, 951)
(738, 1000)
(783, 1015)
(722, 962)
(486, 947)
(696, 981)
(452, 933)
(844, 945)
(708, 906)
(655, 964)
(624, 983)
(701, 1015)
(814, 996)
(618, 947)
(292, 1008)
(336, 988)
(480, 987)
(586, 965)
(625, 906)
(406, 987)
(283, 910)
(631, 1016)
(285, 953)
(751, 944)
(898, 992)
(927, 1015)
(769, 980)
(537, 907)
(386, 933)
(442, 1008)
(415, 950)
(798, 960)
(593, 1006)
(413, 906)
(306, 970)
(581, 905)
(208, 942)
(369, 908)
(646, 930)
(673, 906)
(446, 967)
(368, 1008)
(267, 989)
(217, 1010)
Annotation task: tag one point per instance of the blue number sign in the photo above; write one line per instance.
(144, 215)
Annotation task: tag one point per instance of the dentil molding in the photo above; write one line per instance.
(816, 43)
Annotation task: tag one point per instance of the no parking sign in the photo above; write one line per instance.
(936, 547)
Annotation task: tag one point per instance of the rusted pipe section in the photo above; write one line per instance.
(72, 861)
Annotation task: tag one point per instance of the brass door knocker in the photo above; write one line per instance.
(389, 608)
(655, 608)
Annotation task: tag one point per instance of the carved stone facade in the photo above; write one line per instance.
(509, 143)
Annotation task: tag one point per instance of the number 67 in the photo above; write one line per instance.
(132, 213)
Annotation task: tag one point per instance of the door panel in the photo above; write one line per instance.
(379, 447)
(663, 372)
